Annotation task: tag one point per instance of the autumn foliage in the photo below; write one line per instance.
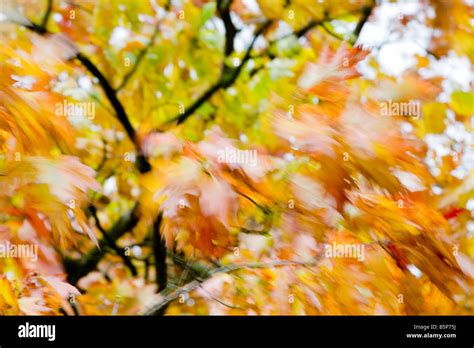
(234, 157)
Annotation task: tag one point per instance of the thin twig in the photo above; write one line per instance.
(140, 57)
(77, 268)
(218, 300)
(169, 295)
(112, 243)
(330, 32)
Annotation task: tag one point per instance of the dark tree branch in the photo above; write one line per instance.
(228, 77)
(201, 100)
(112, 244)
(104, 156)
(44, 22)
(366, 12)
(223, 7)
(226, 81)
(196, 270)
(142, 163)
(236, 72)
(78, 268)
(298, 33)
(110, 93)
(159, 252)
(140, 57)
(38, 29)
(311, 24)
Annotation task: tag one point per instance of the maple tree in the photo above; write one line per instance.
(202, 157)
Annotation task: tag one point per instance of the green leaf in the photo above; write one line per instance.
(207, 13)
(433, 119)
(463, 103)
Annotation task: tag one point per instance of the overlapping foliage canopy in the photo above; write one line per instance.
(114, 119)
